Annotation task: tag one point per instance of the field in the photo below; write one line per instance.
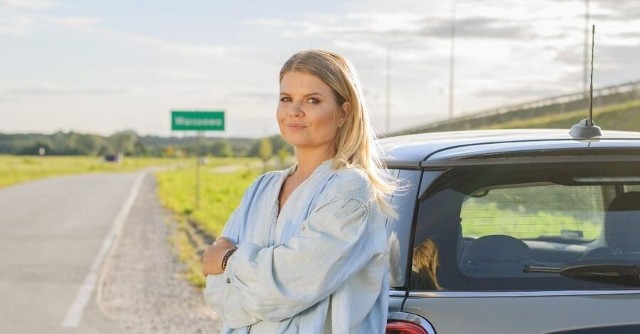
(621, 116)
(16, 169)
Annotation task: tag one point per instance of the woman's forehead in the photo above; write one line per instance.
(303, 82)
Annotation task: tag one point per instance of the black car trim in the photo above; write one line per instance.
(428, 179)
(397, 164)
(484, 294)
(528, 160)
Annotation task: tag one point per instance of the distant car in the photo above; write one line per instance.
(515, 231)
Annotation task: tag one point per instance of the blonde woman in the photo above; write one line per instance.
(305, 252)
(424, 266)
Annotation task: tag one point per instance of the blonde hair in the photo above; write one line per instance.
(354, 144)
(425, 263)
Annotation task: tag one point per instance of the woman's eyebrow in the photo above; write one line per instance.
(305, 95)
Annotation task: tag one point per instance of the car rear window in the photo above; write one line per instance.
(510, 227)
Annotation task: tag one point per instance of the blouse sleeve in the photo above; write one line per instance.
(278, 282)
(215, 286)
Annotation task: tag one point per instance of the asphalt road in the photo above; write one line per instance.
(57, 237)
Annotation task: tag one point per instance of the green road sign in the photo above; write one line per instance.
(197, 120)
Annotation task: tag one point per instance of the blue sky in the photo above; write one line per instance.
(106, 66)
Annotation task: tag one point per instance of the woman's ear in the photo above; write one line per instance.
(345, 112)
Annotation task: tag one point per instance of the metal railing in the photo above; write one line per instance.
(550, 106)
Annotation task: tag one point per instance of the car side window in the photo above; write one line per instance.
(483, 228)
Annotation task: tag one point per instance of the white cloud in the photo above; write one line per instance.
(266, 23)
(57, 89)
(74, 21)
(91, 25)
(27, 4)
(17, 26)
(185, 74)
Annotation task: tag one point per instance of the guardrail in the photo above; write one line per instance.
(559, 104)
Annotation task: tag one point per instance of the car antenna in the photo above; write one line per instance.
(586, 128)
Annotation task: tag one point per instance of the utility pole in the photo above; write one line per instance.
(452, 56)
(388, 93)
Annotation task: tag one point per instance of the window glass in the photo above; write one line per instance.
(534, 211)
(516, 227)
(399, 229)
(634, 187)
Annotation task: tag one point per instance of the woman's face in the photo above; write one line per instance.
(308, 113)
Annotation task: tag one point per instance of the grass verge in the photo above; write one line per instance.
(221, 190)
(621, 116)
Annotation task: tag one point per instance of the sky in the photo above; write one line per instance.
(107, 66)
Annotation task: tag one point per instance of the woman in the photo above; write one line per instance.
(425, 266)
(305, 252)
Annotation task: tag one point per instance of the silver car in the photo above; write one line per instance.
(515, 231)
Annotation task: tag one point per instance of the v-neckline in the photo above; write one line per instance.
(280, 208)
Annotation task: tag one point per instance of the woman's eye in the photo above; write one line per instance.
(285, 99)
(313, 100)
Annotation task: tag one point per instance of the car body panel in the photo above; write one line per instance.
(524, 314)
(458, 144)
(425, 161)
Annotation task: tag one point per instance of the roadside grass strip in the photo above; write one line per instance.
(196, 228)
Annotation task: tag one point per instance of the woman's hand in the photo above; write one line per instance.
(212, 256)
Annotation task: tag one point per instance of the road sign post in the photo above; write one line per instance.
(200, 121)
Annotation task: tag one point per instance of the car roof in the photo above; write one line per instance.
(441, 148)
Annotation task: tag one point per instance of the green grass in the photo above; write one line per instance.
(220, 193)
(16, 169)
(622, 116)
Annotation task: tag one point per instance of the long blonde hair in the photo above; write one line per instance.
(354, 144)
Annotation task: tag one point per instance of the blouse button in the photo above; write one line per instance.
(228, 280)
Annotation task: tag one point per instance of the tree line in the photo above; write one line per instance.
(129, 143)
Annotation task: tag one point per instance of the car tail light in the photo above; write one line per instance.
(404, 327)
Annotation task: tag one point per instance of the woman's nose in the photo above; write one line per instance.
(296, 110)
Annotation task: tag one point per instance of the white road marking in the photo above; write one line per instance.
(75, 312)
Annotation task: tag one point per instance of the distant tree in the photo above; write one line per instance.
(124, 142)
(221, 148)
(266, 151)
(34, 149)
(283, 156)
(63, 143)
(89, 144)
(128, 143)
(279, 144)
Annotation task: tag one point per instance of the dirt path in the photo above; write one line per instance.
(142, 286)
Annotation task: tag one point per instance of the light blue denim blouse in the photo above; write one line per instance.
(319, 266)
